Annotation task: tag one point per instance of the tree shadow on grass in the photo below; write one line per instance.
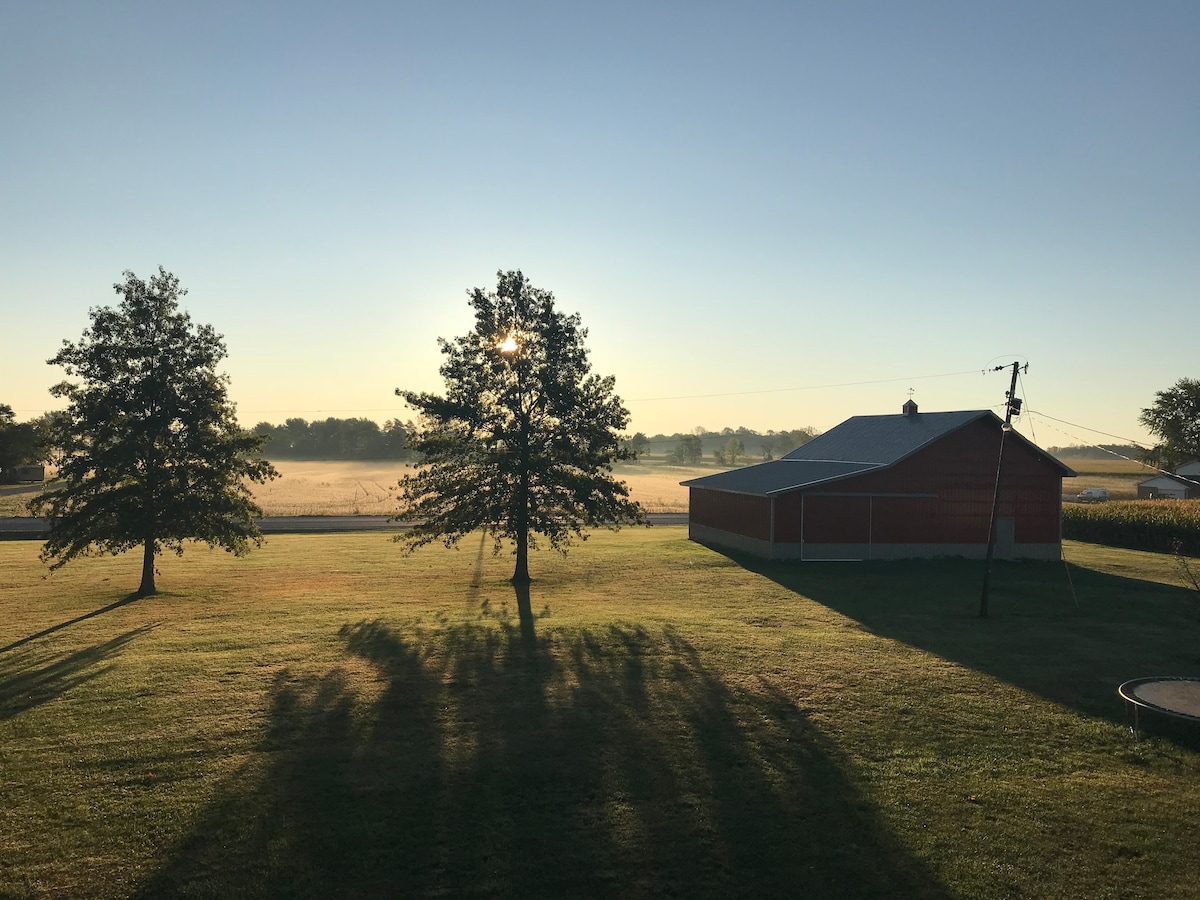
(1071, 635)
(25, 684)
(484, 759)
(124, 601)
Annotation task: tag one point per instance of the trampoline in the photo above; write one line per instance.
(1169, 695)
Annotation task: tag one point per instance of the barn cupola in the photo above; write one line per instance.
(909, 409)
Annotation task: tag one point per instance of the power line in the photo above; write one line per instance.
(1118, 437)
(1085, 443)
(808, 387)
(1025, 394)
(263, 411)
(1140, 462)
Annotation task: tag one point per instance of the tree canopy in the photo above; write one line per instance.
(730, 453)
(523, 440)
(638, 444)
(1174, 419)
(689, 450)
(152, 453)
(21, 443)
(335, 439)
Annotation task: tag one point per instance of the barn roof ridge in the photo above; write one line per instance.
(1171, 476)
(884, 441)
(865, 462)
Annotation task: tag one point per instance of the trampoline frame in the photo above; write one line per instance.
(1127, 692)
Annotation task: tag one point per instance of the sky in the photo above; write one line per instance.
(770, 215)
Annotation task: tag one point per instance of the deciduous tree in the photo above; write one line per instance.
(21, 443)
(639, 445)
(523, 440)
(153, 455)
(734, 450)
(334, 439)
(1175, 420)
(688, 451)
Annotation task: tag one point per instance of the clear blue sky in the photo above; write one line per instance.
(737, 198)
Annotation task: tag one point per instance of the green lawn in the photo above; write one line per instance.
(329, 718)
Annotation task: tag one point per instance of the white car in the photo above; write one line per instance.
(1092, 495)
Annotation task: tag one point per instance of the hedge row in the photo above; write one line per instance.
(1159, 525)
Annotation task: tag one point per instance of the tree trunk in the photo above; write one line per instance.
(147, 587)
(521, 573)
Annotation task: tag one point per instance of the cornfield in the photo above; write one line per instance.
(1166, 526)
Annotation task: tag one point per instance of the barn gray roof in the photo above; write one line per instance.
(857, 445)
(884, 440)
(1163, 479)
(785, 474)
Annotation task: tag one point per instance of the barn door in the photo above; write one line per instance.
(1006, 537)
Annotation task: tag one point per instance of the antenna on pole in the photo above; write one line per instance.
(1012, 407)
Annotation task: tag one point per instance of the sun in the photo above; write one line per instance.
(508, 345)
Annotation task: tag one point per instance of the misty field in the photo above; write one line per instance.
(1119, 477)
(350, 488)
(368, 488)
(329, 718)
(331, 488)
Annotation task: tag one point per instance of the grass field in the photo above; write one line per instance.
(347, 488)
(1119, 476)
(352, 488)
(329, 718)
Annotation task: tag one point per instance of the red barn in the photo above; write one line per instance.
(888, 487)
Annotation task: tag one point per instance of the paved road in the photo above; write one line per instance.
(26, 528)
(8, 490)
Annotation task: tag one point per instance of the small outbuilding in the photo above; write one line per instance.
(1183, 485)
(1189, 470)
(888, 487)
(19, 474)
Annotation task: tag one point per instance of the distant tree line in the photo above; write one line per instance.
(39, 440)
(336, 439)
(1097, 451)
(728, 447)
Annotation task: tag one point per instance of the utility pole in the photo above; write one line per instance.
(1012, 407)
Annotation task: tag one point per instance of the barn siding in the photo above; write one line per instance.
(941, 495)
(917, 520)
(716, 537)
(742, 514)
(836, 520)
